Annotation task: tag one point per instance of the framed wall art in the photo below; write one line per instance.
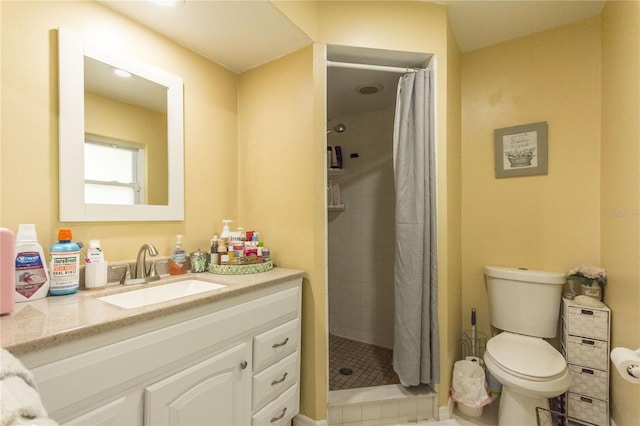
(521, 150)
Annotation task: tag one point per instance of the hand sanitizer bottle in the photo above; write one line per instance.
(178, 261)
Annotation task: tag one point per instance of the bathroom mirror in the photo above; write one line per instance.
(121, 138)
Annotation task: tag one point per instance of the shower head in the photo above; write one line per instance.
(339, 128)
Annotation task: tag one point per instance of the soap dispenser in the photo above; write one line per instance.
(226, 232)
(178, 260)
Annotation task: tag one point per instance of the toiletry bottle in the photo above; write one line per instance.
(94, 252)
(335, 194)
(64, 264)
(226, 232)
(95, 268)
(223, 257)
(31, 273)
(334, 160)
(178, 261)
(215, 257)
(7, 271)
(338, 150)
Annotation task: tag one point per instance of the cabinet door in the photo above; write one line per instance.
(214, 392)
(113, 413)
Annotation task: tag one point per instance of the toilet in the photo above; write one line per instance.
(524, 305)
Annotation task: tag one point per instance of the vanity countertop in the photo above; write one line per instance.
(55, 320)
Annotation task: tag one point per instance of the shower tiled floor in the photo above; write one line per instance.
(370, 365)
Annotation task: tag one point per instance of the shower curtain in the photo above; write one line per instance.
(416, 339)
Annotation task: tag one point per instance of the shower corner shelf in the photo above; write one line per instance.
(336, 208)
(335, 171)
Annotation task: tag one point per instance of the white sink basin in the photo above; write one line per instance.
(161, 293)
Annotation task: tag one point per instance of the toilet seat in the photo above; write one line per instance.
(526, 357)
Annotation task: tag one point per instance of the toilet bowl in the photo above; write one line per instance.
(525, 306)
(530, 371)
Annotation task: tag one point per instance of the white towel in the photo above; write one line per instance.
(18, 393)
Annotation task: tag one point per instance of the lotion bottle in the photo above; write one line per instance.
(178, 260)
(31, 273)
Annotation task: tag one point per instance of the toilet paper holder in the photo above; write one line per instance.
(632, 368)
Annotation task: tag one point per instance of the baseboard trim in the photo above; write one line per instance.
(446, 412)
(302, 420)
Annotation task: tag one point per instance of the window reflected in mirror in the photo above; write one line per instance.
(113, 172)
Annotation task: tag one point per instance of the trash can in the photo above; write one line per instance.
(469, 388)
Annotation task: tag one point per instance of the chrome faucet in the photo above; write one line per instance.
(141, 264)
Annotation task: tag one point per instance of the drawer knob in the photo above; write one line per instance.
(275, 382)
(244, 364)
(275, 419)
(277, 345)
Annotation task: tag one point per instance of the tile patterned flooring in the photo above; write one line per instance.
(371, 365)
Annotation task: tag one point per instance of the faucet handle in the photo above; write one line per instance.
(127, 272)
(153, 269)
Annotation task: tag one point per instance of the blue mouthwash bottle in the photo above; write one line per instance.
(65, 265)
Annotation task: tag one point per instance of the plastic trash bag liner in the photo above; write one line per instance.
(469, 386)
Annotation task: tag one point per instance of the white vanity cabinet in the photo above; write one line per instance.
(231, 362)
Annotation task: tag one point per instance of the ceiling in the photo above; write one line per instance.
(241, 35)
(480, 23)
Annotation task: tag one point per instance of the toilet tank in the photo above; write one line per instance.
(524, 301)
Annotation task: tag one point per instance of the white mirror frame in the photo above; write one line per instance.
(71, 52)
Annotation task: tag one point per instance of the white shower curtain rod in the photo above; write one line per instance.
(369, 67)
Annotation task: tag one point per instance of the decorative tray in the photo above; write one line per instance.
(253, 268)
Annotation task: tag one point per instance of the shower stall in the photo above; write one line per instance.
(361, 97)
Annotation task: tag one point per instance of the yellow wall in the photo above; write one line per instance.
(280, 174)
(416, 27)
(548, 222)
(451, 289)
(279, 164)
(620, 190)
(30, 130)
(583, 80)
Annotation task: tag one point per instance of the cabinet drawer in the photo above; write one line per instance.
(589, 382)
(268, 384)
(274, 344)
(588, 352)
(587, 322)
(590, 410)
(279, 412)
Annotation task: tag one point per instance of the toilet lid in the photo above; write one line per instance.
(525, 355)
